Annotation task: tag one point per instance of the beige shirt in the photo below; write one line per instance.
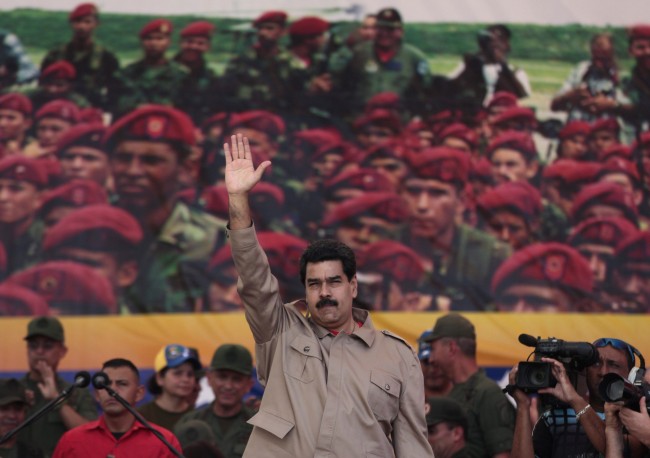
(357, 395)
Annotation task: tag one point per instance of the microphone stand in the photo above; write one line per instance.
(139, 417)
(40, 412)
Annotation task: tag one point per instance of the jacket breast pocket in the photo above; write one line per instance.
(383, 395)
(302, 358)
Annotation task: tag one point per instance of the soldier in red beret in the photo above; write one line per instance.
(564, 178)
(15, 121)
(201, 94)
(459, 136)
(435, 194)
(94, 64)
(353, 183)
(596, 240)
(105, 238)
(81, 154)
(376, 127)
(57, 82)
(631, 273)
(573, 141)
(264, 130)
(636, 86)
(68, 197)
(154, 79)
(366, 219)
(544, 277)
(513, 156)
(389, 275)
(52, 121)
(511, 212)
(518, 119)
(604, 199)
(21, 182)
(625, 174)
(389, 159)
(603, 134)
(150, 150)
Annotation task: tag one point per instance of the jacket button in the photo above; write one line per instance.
(306, 349)
(387, 386)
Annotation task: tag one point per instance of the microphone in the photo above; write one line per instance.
(528, 340)
(100, 381)
(81, 379)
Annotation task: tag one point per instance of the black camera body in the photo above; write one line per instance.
(614, 388)
(537, 374)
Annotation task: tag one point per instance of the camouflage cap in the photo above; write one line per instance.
(193, 431)
(439, 409)
(232, 357)
(11, 390)
(451, 325)
(47, 326)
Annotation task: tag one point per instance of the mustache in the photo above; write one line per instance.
(326, 301)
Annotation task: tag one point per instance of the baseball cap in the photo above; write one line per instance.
(173, 355)
(11, 390)
(442, 408)
(47, 326)
(424, 348)
(193, 431)
(451, 325)
(232, 357)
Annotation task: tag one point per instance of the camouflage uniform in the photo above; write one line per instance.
(139, 83)
(406, 73)
(173, 270)
(252, 82)
(39, 97)
(200, 94)
(231, 442)
(45, 433)
(637, 89)
(24, 250)
(96, 68)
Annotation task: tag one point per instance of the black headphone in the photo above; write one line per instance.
(636, 373)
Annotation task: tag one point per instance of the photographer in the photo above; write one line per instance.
(577, 428)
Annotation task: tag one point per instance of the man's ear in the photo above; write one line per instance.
(531, 169)
(139, 395)
(127, 274)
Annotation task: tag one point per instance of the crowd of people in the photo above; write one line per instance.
(111, 176)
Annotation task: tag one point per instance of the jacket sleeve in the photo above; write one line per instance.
(409, 428)
(257, 287)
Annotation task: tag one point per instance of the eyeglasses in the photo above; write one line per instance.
(619, 345)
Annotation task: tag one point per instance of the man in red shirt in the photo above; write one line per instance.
(116, 433)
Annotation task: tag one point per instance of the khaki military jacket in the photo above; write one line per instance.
(357, 395)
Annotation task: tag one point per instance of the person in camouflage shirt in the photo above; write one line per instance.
(94, 64)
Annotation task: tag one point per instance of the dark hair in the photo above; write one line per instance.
(152, 383)
(328, 250)
(121, 362)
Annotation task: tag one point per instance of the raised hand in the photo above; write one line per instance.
(241, 175)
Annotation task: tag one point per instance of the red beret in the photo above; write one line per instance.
(384, 118)
(610, 124)
(156, 26)
(480, 169)
(520, 114)
(608, 231)
(645, 139)
(88, 135)
(570, 171)
(16, 300)
(635, 248)
(440, 163)
(364, 179)
(574, 128)
(393, 148)
(59, 70)
(23, 169)
(76, 193)
(339, 147)
(110, 224)
(264, 121)
(385, 205)
(391, 259)
(554, 264)
(520, 196)
(264, 188)
(461, 131)
(383, 100)
(157, 123)
(214, 199)
(604, 193)
(69, 287)
(198, 29)
(616, 151)
(618, 165)
(91, 115)
(502, 99)
(52, 169)
(16, 102)
(277, 17)
(639, 31)
(62, 109)
(518, 141)
(84, 9)
(310, 25)
(217, 118)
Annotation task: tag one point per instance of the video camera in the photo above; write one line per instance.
(535, 375)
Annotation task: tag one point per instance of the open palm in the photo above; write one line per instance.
(241, 175)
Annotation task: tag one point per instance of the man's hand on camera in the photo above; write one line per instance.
(563, 390)
(637, 423)
(522, 399)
